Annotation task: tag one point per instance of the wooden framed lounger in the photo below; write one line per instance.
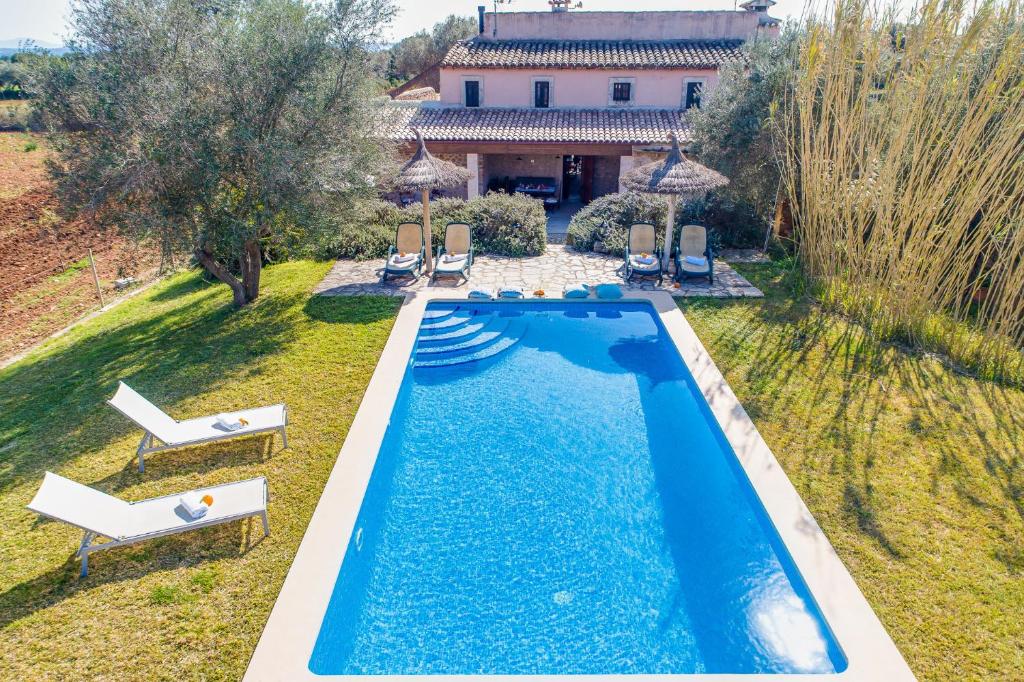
(126, 523)
(164, 433)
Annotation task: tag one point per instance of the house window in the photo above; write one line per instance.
(542, 94)
(621, 91)
(692, 94)
(472, 93)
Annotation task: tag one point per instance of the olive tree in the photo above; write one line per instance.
(418, 52)
(216, 126)
(732, 129)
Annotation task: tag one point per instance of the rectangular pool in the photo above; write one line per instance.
(553, 495)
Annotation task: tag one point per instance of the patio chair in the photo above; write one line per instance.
(126, 523)
(643, 239)
(408, 241)
(174, 434)
(694, 256)
(455, 256)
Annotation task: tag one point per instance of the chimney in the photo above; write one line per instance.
(480, 14)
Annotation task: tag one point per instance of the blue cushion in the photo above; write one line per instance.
(608, 291)
(510, 293)
(483, 294)
(576, 291)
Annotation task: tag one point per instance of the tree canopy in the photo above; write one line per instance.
(731, 130)
(418, 52)
(221, 127)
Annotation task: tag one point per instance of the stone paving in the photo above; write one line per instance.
(551, 272)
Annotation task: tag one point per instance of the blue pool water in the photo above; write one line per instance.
(553, 496)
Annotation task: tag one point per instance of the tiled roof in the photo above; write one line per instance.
(602, 126)
(593, 54)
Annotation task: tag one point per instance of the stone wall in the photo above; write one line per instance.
(458, 160)
(606, 175)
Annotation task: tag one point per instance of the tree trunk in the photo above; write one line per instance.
(427, 233)
(252, 263)
(223, 274)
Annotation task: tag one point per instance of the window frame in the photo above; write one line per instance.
(533, 91)
(479, 91)
(687, 82)
(628, 81)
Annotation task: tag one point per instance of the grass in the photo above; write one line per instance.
(192, 606)
(914, 471)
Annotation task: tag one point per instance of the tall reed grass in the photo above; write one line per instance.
(902, 146)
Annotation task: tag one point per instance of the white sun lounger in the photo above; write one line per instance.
(174, 434)
(125, 523)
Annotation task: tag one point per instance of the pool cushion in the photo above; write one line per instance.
(576, 291)
(608, 291)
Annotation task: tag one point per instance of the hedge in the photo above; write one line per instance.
(502, 224)
(606, 220)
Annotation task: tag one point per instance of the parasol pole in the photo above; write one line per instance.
(669, 227)
(427, 232)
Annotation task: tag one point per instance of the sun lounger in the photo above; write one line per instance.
(455, 256)
(159, 427)
(125, 523)
(405, 256)
(643, 257)
(693, 256)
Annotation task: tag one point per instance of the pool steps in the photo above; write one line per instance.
(457, 336)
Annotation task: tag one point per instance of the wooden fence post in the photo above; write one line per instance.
(96, 278)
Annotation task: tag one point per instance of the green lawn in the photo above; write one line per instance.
(189, 607)
(913, 471)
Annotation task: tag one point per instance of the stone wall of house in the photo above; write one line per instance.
(606, 175)
(458, 160)
(516, 165)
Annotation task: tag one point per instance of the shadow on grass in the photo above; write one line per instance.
(186, 286)
(52, 408)
(792, 354)
(351, 309)
(121, 564)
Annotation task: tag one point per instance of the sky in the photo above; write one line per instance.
(45, 21)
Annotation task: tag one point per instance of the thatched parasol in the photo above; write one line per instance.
(423, 173)
(675, 176)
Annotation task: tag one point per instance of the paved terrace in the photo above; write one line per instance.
(558, 267)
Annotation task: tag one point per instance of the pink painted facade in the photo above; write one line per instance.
(618, 85)
(575, 88)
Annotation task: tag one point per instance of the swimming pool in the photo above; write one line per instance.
(553, 495)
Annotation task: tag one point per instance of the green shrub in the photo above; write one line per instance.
(606, 220)
(502, 225)
(508, 224)
(734, 222)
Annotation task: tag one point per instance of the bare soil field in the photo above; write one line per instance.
(45, 277)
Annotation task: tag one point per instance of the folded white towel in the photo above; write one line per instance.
(193, 505)
(453, 257)
(696, 260)
(229, 423)
(402, 260)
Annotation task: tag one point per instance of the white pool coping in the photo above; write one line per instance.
(287, 642)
